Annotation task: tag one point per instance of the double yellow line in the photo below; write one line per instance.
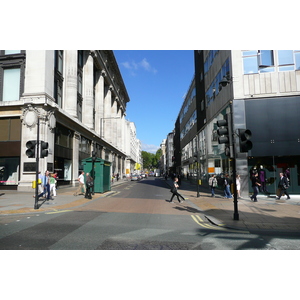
(219, 227)
(200, 222)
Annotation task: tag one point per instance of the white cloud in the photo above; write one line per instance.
(149, 148)
(143, 64)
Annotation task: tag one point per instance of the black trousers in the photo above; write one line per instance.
(283, 191)
(88, 192)
(177, 195)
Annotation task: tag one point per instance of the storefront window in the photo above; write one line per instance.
(9, 170)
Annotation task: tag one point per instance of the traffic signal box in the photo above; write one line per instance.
(224, 133)
(44, 149)
(244, 140)
(30, 152)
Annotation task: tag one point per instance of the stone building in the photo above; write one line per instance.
(75, 100)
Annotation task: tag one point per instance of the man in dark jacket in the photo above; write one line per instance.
(283, 186)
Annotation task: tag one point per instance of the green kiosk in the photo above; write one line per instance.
(99, 169)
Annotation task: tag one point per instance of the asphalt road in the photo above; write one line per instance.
(136, 217)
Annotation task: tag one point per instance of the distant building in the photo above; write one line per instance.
(170, 153)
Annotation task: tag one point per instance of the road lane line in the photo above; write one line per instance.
(56, 212)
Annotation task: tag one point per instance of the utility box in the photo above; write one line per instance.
(99, 170)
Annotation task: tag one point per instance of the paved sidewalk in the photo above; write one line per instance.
(14, 202)
(268, 214)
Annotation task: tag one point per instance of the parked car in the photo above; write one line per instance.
(135, 177)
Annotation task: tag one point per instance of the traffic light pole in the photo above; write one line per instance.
(233, 156)
(36, 205)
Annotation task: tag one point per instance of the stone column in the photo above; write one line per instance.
(70, 82)
(88, 92)
(114, 123)
(39, 73)
(99, 102)
(106, 120)
(75, 161)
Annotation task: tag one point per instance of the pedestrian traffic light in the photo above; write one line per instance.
(44, 149)
(223, 132)
(244, 139)
(30, 152)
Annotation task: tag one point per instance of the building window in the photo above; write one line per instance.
(214, 89)
(7, 52)
(12, 73)
(58, 77)
(262, 61)
(289, 60)
(258, 61)
(10, 129)
(11, 84)
(297, 59)
(266, 58)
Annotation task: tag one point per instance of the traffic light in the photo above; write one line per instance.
(244, 139)
(223, 131)
(225, 134)
(196, 157)
(44, 149)
(94, 155)
(30, 152)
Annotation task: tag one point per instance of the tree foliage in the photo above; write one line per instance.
(150, 160)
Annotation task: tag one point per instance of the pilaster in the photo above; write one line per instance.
(88, 99)
(70, 86)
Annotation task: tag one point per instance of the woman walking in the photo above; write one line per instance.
(175, 192)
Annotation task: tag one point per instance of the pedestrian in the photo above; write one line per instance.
(238, 186)
(81, 185)
(55, 175)
(46, 186)
(52, 182)
(174, 188)
(226, 184)
(40, 185)
(283, 186)
(255, 186)
(213, 183)
(89, 184)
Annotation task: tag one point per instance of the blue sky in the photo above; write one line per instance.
(156, 82)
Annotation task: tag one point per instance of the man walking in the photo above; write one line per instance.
(227, 183)
(175, 192)
(81, 185)
(283, 186)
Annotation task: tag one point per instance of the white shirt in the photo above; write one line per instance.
(81, 178)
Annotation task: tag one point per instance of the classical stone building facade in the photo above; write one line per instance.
(75, 98)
